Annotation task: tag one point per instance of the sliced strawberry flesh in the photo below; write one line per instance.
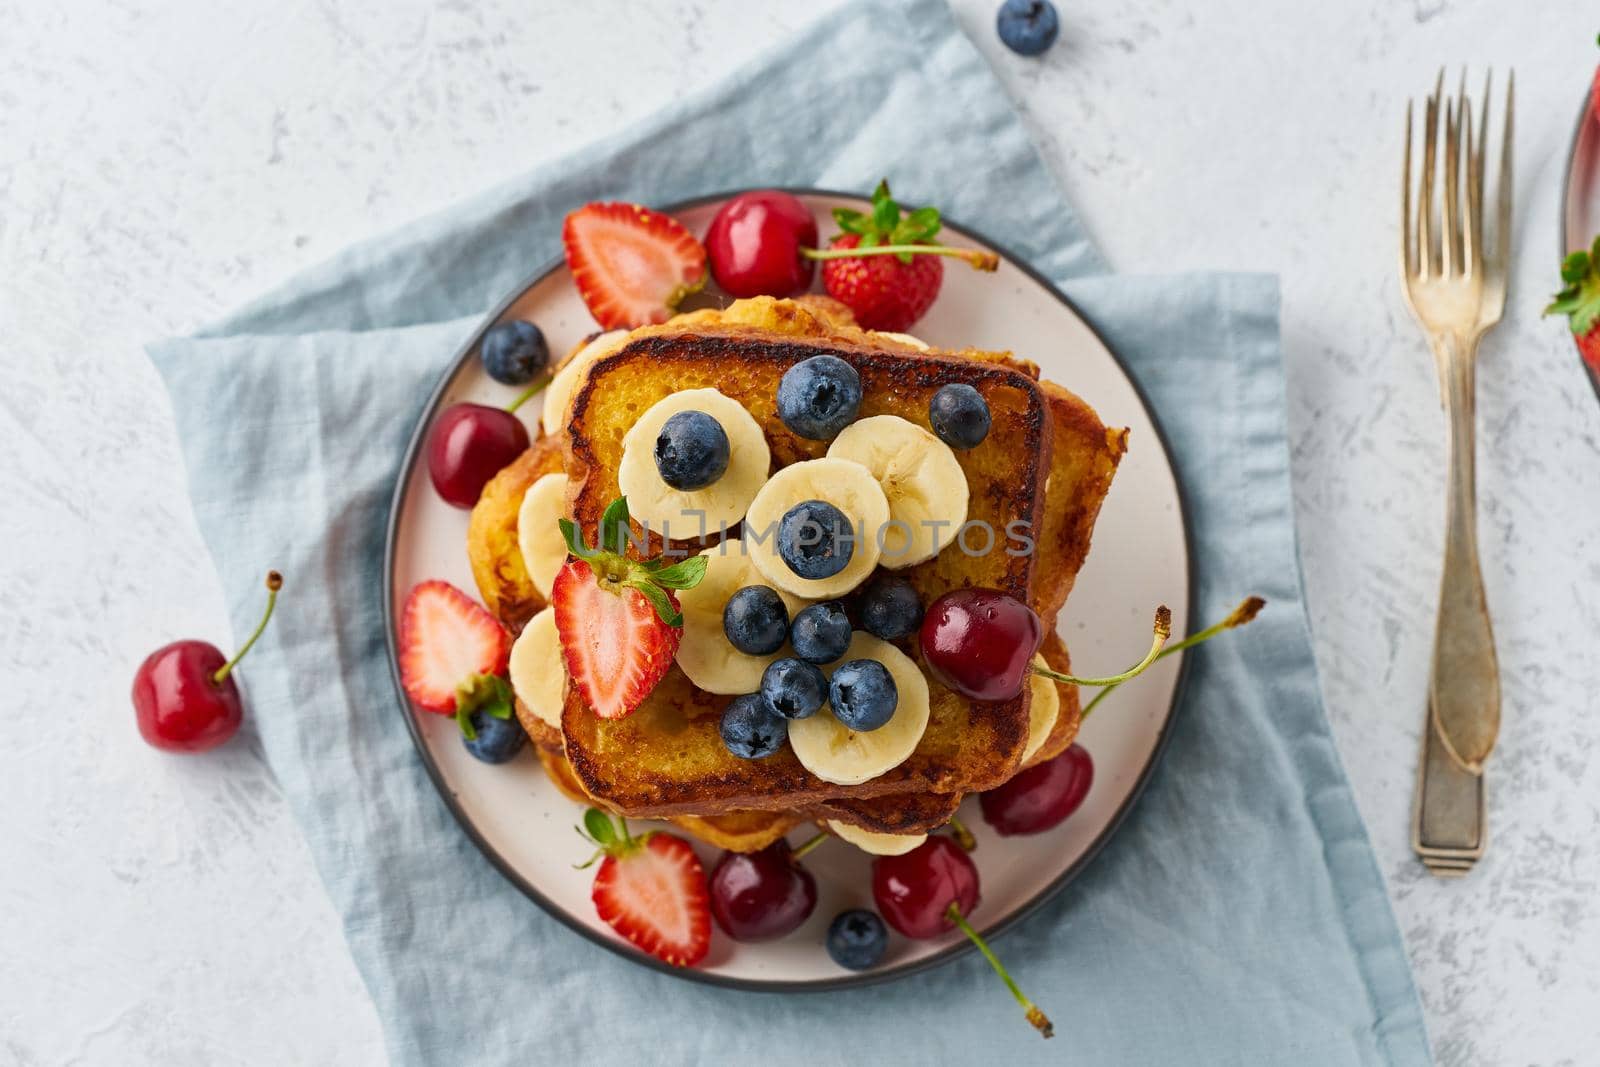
(445, 639)
(632, 266)
(615, 645)
(656, 897)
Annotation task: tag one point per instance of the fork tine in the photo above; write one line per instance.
(1472, 213)
(1408, 254)
(1427, 245)
(1503, 194)
(1452, 190)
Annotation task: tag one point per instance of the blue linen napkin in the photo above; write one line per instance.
(1238, 916)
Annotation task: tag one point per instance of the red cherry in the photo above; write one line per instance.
(914, 891)
(184, 695)
(468, 445)
(1041, 796)
(754, 243)
(979, 642)
(759, 896)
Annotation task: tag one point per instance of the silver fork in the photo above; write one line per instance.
(1454, 280)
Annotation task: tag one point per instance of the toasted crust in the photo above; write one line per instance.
(1082, 465)
(492, 548)
(900, 813)
(667, 758)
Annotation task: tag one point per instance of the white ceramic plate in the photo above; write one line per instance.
(1580, 214)
(1140, 559)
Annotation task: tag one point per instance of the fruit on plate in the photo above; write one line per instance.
(875, 842)
(650, 889)
(842, 755)
(570, 376)
(751, 728)
(761, 896)
(618, 618)
(494, 740)
(857, 939)
(471, 443)
(1044, 705)
(1041, 796)
(980, 642)
(453, 655)
(185, 698)
(706, 654)
(1579, 301)
(820, 633)
(755, 243)
(884, 265)
(890, 607)
(819, 397)
(797, 514)
(679, 488)
(920, 477)
(959, 415)
(514, 352)
(862, 695)
(632, 266)
(538, 539)
(756, 620)
(793, 688)
(538, 673)
(1027, 27)
(932, 890)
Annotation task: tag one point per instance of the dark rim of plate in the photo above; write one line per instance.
(413, 455)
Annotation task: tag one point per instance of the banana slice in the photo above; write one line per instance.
(875, 843)
(839, 755)
(846, 485)
(564, 386)
(538, 536)
(686, 513)
(920, 475)
(704, 653)
(538, 673)
(1043, 708)
(905, 339)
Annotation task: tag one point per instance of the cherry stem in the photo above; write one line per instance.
(274, 583)
(533, 390)
(1163, 630)
(809, 845)
(962, 835)
(978, 260)
(1241, 615)
(1040, 1021)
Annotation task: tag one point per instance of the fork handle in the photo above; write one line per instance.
(1465, 682)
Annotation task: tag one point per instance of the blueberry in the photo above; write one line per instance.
(1027, 27)
(815, 539)
(751, 729)
(959, 415)
(889, 608)
(498, 740)
(691, 450)
(756, 620)
(863, 695)
(821, 633)
(793, 688)
(819, 396)
(857, 939)
(514, 352)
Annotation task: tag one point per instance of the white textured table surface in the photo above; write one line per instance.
(162, 162)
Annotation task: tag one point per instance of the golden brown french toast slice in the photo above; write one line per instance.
(492, 548)
(667, 757)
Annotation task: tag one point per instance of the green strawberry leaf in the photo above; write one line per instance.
(1574, 267)
(850, 221)
(658, 599)
(601, 830)
(488, 693)
(574, 539)
(684, 574)
(614, 527)
(885, 212)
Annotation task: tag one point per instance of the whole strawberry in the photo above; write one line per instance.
(617, 618)
(1579, 301)
(893, 276)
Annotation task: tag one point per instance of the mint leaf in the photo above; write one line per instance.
(685, 574)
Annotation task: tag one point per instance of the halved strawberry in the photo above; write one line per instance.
(651, 890)
(617, 618)
(1579, 301)
(452, 653)
(632, 266)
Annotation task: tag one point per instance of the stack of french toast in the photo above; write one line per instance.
(1033, 489)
